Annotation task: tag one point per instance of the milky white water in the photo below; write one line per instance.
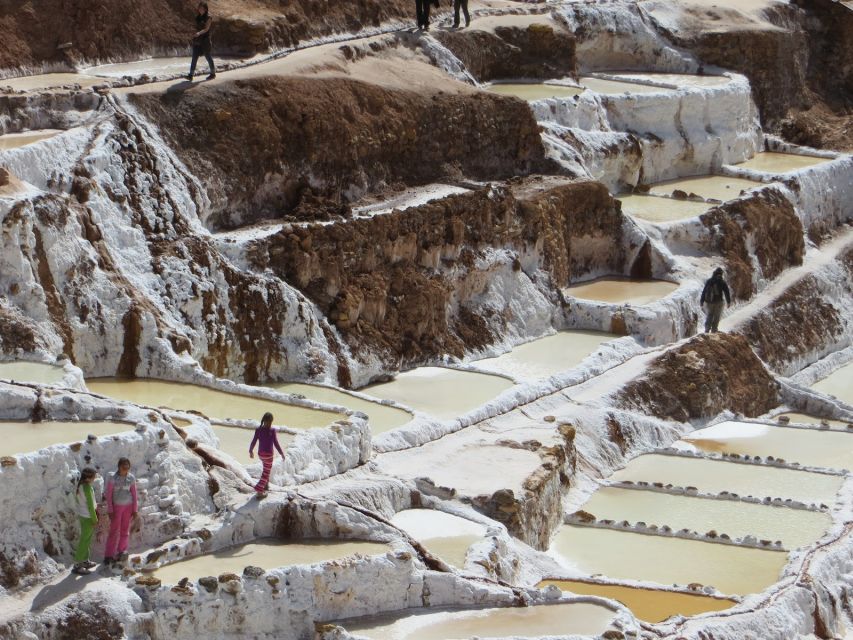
(444, 534)
(794, 527)
(831, 449)
(613, 87)
(210, 402)
(621, 290)
(677, 79)
(534, 91)
(22, 139)
(666, 561)
(781, 162)
(712, 187)
(269, 553)
(440, 392)
(839, 383)
(235, 442)
(31, 372)
(518, 622)
(381, 417)
(149, 66)
(713, 476)
(656, 209)
(651, 605)
(546, 356)
(24, 437)
(802, 418)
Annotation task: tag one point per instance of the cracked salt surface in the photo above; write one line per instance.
(444, 534)
(31, 372)
(24, 437)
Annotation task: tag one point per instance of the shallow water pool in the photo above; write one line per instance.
(621, 290)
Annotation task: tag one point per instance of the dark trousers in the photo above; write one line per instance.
(199, 50)
(460, 4)
(422, 10)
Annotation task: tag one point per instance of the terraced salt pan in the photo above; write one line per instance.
(518, 622)
(49, 81)
(24, 437)
(714, 476)
(211, 402)
(235, 442)
(839, 384)
(444, 534)
(269, 553)
(149, 66)
(773, 162)
(657, 209)
(37, 372)
(794, 527)
(677, 79)
(651, 605)
(714, 187)
(408, 198)
(831, 449)
(802, 418)
(22, 139)
(546, 356)
(440, 392)
(382, 418)
(620, 290)
(534, 91)
(666, 561)
(612, 87)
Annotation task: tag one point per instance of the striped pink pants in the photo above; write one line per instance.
(266, 459)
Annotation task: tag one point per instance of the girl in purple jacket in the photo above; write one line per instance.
(267, 445)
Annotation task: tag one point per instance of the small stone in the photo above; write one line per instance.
(253, 572)
(273, 581)
(228, 577)
(784, 419)
(209, 584)
(550, 419)
(148, 581)
(76, 446)
(584, 516)
(5, 177)
(8, 461)
(192, 443)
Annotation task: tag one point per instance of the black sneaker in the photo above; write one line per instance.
(80, 570)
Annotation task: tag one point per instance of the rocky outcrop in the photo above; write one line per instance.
(701, 378)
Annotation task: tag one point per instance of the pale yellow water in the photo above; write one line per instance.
(713, 476)
(31, 372)
(678, 79)
(622, 290)
(23, 437)
(151, 66)
(210, 402)
(613, 87)
(803, 418)
(444, 534)
(235, 442)
(794, 527)
(440, 392)
(838, 383)
(831, 449)
(633, 556)
(269, 553)
(655, 209)
(382, 418)
(547, 356)
(715, 187)
(15, 140)
(651, 605)
(781, 162)
(534, 91)
(524, 622)
(49, 80)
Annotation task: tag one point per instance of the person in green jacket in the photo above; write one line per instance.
(88, 513)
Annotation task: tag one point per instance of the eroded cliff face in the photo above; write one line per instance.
(272, 147)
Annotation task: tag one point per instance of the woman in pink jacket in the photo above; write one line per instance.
(123, 507)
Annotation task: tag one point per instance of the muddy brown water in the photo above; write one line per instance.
(621, 290)
(36, 372)
(24, 437)
(651, 605)
(773, 162)
(444, 534)
(657, 209)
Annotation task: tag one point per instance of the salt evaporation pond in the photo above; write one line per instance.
(269, 553)
(211, 402)
(633, 556)
(150, 66)
(22, 139)
(24, 437)
(382, 418)
(773, 162)
(651, 605)
(546, 356)
(534, 91)
(831, 449)
(657, 209)
(36, 372)
(440, 392)
(49, 81)
(235, 442)
(794, 527)
(839, 383)
(621, 290)
(715, 476)
(444, 534)
(613, 87)
(520, 622)
(802, 418)
(677, 79)
(710, 187)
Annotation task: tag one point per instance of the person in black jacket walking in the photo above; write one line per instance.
(712, 297)
(201, 40)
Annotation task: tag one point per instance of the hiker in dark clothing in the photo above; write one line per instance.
(460, 4)
(201, 40)
(422, 11)
(712, 297)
